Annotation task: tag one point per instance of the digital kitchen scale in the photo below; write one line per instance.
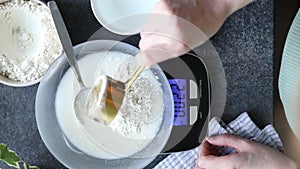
(190, 86)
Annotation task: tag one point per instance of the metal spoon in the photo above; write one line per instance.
(114, 90)
(80, 98)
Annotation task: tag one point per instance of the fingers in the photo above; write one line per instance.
(229, 140)
(204, 148)
(210, 161)
(156, 48)
(154, 55)
(207, 160)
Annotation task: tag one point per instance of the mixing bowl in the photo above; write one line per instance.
(54, 137)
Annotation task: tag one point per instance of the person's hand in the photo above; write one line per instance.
(249, 155)
(177, 26)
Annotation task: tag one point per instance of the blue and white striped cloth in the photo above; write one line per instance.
(242, 126)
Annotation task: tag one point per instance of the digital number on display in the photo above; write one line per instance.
(179, 89)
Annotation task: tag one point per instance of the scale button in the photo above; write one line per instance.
(193, 114)
(193, 90)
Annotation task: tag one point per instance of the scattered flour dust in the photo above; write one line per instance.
(140, 115)
(28, 42)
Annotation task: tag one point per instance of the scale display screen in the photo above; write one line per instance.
(179, 90)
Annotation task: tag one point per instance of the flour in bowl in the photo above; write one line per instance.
(142, 105)
(29, 42)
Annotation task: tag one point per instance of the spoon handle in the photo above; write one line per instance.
(137, 71)
(65, 40)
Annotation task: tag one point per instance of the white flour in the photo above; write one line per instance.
(142, 105)
(28, 42)
(138, 110)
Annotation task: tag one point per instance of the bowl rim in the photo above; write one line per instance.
(13, 83)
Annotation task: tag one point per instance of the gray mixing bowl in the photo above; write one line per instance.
(53, 136)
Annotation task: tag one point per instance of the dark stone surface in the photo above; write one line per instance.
(245, 45)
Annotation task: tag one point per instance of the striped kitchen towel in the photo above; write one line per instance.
(242, 126)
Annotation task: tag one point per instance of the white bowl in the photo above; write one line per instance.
(122, 17)
(23, 27)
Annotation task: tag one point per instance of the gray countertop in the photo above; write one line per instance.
(246, 47)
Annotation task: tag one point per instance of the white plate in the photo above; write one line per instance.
(289, 77)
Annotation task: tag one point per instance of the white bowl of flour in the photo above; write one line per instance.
(28, 44)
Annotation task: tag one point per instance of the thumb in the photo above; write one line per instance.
(228, 140)
(152, 56)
